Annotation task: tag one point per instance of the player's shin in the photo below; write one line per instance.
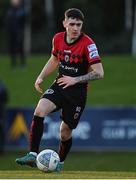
(64, 148)
(36, 132)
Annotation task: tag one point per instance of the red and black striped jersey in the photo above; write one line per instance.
(75, 58)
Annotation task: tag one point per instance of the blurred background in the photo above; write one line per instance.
(108, 125)
(105, 22)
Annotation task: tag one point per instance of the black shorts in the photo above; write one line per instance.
(71, 101)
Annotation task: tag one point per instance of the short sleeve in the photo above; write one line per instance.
(91, 53)
(54, 49)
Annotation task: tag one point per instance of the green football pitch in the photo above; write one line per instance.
(35, 174)
(79, 165)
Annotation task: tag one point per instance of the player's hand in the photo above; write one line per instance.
(66, 81)
(37, 85)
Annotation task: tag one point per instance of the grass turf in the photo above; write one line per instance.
(78, 165)
(67, 175)
(117, 88)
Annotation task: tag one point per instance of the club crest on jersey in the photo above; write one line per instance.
(49, 91)
(66, 57)
(91, 47)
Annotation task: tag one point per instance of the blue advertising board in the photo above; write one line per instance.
(100, 128)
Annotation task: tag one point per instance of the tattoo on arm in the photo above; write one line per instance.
(93, 75)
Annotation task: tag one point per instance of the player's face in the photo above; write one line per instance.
(73, 27)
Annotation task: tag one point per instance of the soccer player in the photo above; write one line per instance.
(76, 56)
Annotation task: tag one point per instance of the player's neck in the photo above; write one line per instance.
(69, 40)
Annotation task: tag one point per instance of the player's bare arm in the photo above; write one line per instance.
(50, 66)
(95, 72)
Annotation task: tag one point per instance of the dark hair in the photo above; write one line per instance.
(74, 13)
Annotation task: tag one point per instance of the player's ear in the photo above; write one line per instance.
(64, 23)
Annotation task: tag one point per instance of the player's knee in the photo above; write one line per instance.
(39, 112)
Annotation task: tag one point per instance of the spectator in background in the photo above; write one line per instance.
(15, 27)
(3, 101)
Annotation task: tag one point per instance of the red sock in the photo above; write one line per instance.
(36, 133)
(64, 149)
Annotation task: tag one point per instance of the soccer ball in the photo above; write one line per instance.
(47, 160)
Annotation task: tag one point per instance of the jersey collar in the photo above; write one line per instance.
(69, 44)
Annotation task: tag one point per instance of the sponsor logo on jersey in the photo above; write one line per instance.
(93, 54)
(91, 47)
(49, 91)
(72, 69)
